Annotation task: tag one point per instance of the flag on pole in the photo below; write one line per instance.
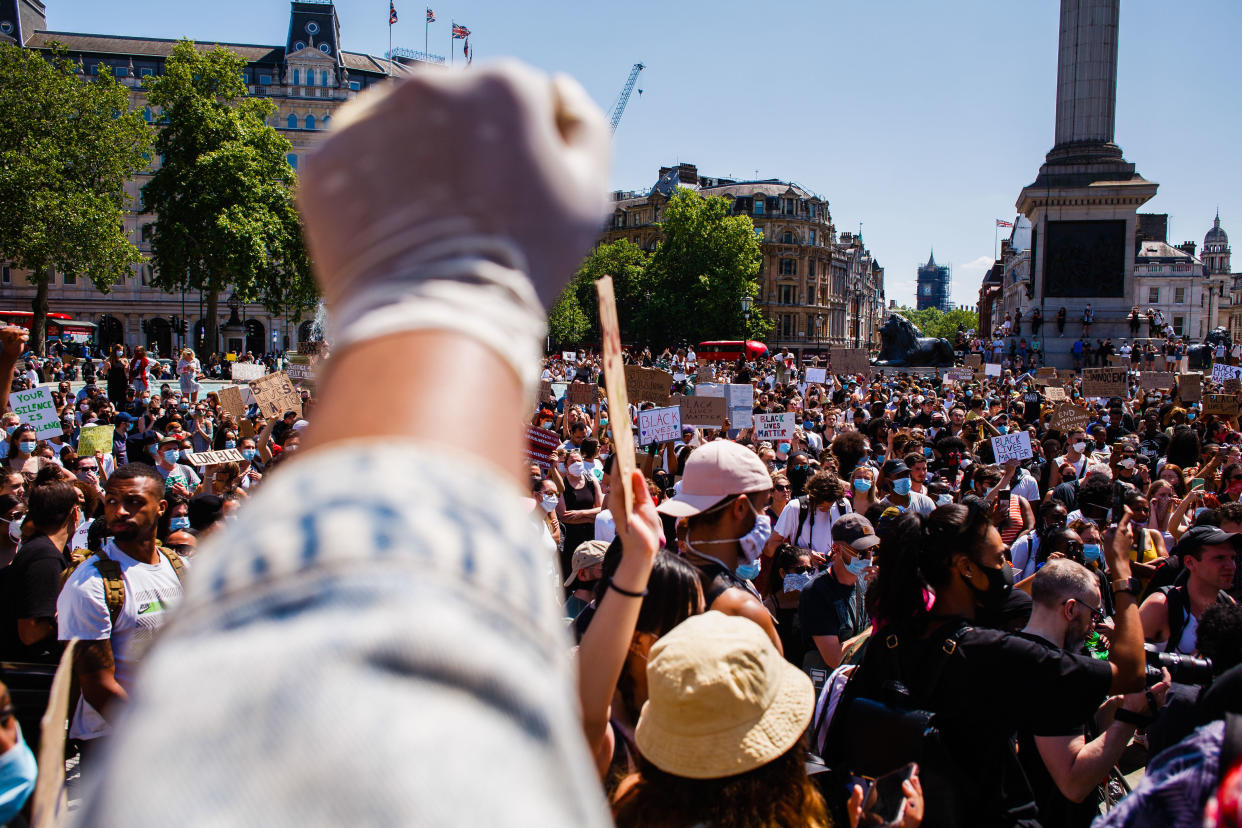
(392, 12)
(460, 32)
(431, 16)
(465, 51)
(1003, 223)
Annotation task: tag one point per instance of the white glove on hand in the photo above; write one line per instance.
(460, 201)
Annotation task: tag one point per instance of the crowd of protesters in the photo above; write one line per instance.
(866, 621)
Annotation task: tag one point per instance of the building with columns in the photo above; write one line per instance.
(816, 287)
(307, 77)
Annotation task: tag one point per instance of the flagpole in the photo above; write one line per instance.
(452, 54)
(390, 47)
(426, 40)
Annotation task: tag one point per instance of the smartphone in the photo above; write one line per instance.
(885, 803)
(1003, 495)
(1196, 483)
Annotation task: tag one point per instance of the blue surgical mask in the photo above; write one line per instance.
(1190, 416)
(901, 486)
(944, 499)
(1092, 551)
(172, 455)
(249, 453)
(1003, 429)
(862, 484)
(858, 566)
(783, 447)
(27, 446)
(749, 571)
(927, 452)
(177, 523)
(230, 444)
(18, 769)
(10, 429)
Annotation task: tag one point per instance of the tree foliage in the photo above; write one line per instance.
(567, 323)
(935, 322)
(68, 145)
(223, 195)
(627, 264)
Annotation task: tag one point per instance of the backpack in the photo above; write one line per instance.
(804, 509)
(110, 571)
(1178, 604)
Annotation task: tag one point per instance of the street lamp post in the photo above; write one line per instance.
(857, 315)
(747, 302)
(819, 328)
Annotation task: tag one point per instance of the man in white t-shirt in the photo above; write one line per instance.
(110, 648)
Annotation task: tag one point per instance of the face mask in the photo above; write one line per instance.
(927, 452)
(230, 444)
(944, 499)
(18, 770)
(782, 448)
(548, 502)
(858, 566)
(748, 571)
(249, 453)
(178, 523)
(1092, 551)
(1003, 429)
(10, 429)
(172, 455)
(993, 597)
(1128, 463)
(862, 484)
(1190, 416)
(901, 486)
(798, 581)
(27, 446)
(15, 529)
(1080, 447)
(577, 469)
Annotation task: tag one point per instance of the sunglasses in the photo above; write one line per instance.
(1097, 614)
(781, 488)
(801, 569)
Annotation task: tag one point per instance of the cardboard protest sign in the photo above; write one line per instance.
(94, 439)
(1221, 372)
(214, 458)
(581, 393)
(707, 373)
(647, 384)
(231, 401)
(701, 411)
(1068, 417)
(301, 367)
(275, 395)
(1104, 382)
(49, 803)
(1119, 361)
(850, 360)
(1157, 380)
(1222, 405)
(1190, 387)
(659, 425)
(540, 443)
(974, 361)
(992, 369)
(312, 347)
(36, 407)
(569, 356)
(1016, 446)
(545, 391)
(1055, 393)
(246, 371)
(959, 375)
(1046, 371)
(817, 375)
(774, 426)
(1232, 385)
(618, 397)
(741, 399)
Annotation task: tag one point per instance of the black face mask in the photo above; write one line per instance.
(1000, 582)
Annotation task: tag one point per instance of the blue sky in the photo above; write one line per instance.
(922, 119)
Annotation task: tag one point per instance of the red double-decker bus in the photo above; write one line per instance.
(60, 326)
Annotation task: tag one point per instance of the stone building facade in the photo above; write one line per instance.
(817, 288)
(307, 78)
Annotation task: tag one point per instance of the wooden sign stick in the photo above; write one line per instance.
(614, 386)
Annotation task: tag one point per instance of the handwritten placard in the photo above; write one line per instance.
(1222, 372)
(275, 395)
(1016, 446)
(231, 401)
(1068, 417)
(992, 369)
(569, 356)
(850, 360)
(545, 391)
(702, 411)
(817, 375)
(540, 443)
(1190, 387)
(94, 439)
(1055, 393)
(36, 408)
(741, 399)
(648, 384)
(774, 426)
(659, 425)
(1103, 382)
(247, 371)
(1222, 405)
(581, 393)
(214, 458)
(959, 375)
(974, 361)
(615, 380)
(1157, 380)
(312, 347)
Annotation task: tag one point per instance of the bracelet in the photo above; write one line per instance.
(627, 593)
(1131, 718)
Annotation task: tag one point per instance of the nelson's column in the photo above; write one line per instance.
(1083, 204)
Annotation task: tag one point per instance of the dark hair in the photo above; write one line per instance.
(916, 552)
(1220, 635)
(673, 592)
(848, 448)
(1053, 538)
(135, 471)
(824, 487)
(785, 557)
(50, 504)
(90, 498)
(1230, 512)
(776, 793)
(1184, 448)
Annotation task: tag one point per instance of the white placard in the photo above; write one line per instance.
(247, 371)
(678, 376)
(741, 400)
(1220, 372)
(1016, 446)
(569, 356)
(36, 407)
(709, 389)
(659, 425)
(992, 369)
(774, 426)
(817, 375)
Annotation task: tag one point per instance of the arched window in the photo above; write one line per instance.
(310, 77)
(310, 121)
(324, 77)
(297, 78)
(787, 237)
(146, 114)
(327, 119)
(293, 121)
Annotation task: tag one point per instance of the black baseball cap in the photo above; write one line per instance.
(895, 468)
(1197, 537)
(855, 531)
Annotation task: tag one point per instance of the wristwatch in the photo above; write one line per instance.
(1130, 585)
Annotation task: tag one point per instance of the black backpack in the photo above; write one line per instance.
(804, 509)
(1178, 603)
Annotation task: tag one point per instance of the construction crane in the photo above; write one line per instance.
(618, 107)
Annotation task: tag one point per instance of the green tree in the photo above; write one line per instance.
(627, 264)
(704, 264)
(567, 323)
(223, 195)
(67, 147)
(935, 322)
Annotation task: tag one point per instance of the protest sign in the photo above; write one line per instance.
(1103, 382)
(50, 804)
(974, 361)
(1119, 361)
(709, 389)
(312, 347)
(702, 411)
(36, 407)
(558, 390)
(817, 375)
(1016, 446)
(959, 375)
(97, 438)
(1222, 405)
(850, 360)
(545, 391)
(741, 399)
(707, 373)
(1055, 393)
(1157, 380)
(774, 426)
(214, 458)
(659, 425)
(540, 443)
(299, 371)
(275, 395)
(1232, 385)
(247, 371)
(581, 393)
(647, 384)
(1068, 417)
(1190, 387)
(231, 401)
(1046, 371)
(569, 356)
(992, 369)
(615, 382)
(1222, 372)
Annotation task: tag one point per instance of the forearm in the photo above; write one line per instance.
(1090, 766)
(102, 691)
(1126, 651)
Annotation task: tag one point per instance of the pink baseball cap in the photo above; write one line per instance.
(713, 472)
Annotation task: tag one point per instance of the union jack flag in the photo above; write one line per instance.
(460, 32)
(431, 16)
(392, 12)
(1003, 223)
